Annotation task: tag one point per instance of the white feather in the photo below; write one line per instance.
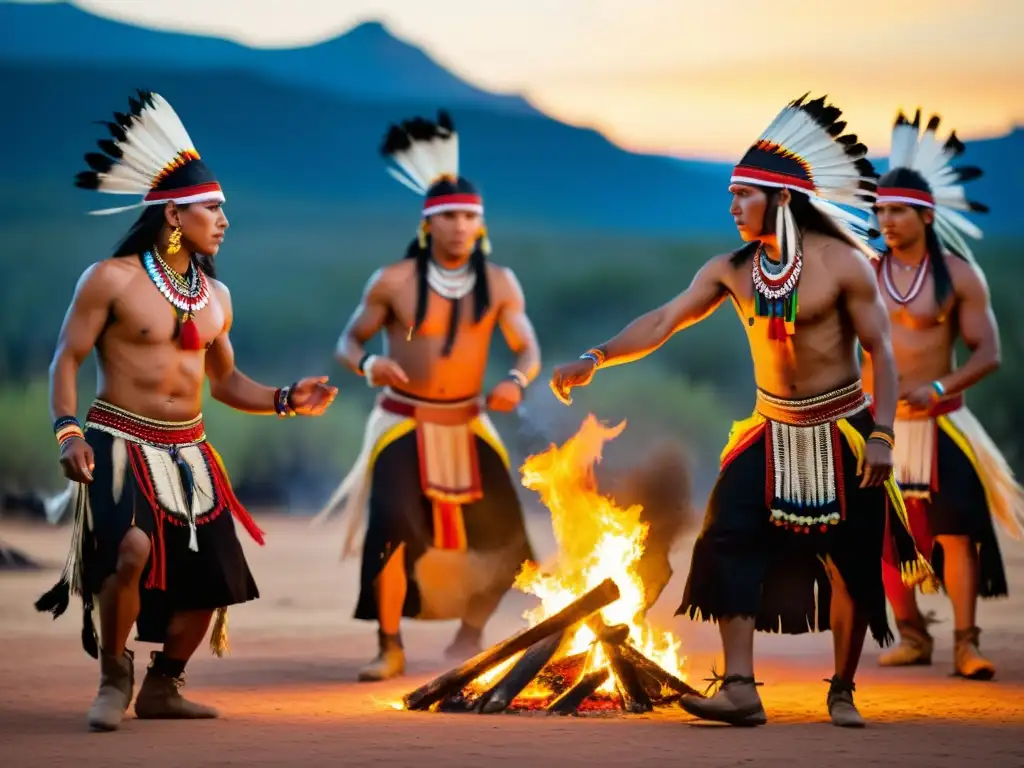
(107, 211)
(949, 235)
(402, 160)
(952, 197)
(963, 224)
(406, 181)
(904, 146)
(169, 124)
(119, 186)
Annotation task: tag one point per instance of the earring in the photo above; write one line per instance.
(421, 234)
(174, 241)
(485, 242)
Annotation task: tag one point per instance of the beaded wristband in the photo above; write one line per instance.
(882, 437)
(518, 377)
(361, 367)
(597, 354)
(283, 402)
(67, 428)
(939, 389)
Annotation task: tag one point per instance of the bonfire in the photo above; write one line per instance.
(588, 646)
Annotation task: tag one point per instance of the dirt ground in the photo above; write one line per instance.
(287, 694)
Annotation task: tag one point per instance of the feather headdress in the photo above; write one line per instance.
(804, 149)
(426, 158)
(921, 174)
(149, 154)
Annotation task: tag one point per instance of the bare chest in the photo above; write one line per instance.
(910, 300)
(817, 298)
(439, 314)
(144, 316)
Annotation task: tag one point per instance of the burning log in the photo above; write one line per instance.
(570, 701)
(627, 681)
(524, 671)
(422, 698)
(663, 678)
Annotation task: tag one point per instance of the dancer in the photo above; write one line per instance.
(953, 477)
(806, 483)
(154, 540)
(445, 534)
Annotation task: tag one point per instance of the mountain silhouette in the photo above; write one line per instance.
(304, 124)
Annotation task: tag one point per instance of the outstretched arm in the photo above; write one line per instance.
(518, 330)
(366, 321)
(308, 397)
(647, 333)
(871, 324)
(978, 329)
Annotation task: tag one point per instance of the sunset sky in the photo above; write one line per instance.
(685, 77)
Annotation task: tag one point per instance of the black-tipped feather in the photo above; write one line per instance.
(444, 120)
(87, 180)
(396, 140)
(978, 207)
(968, 172)
(954, 145)
(99, 163)
(110, 148)
(933, 123)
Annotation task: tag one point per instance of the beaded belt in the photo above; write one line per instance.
(138, 429)
(432, 411)
(820, 409)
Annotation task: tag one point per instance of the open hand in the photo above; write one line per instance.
(505, 397)
(575, 374)
(385, 372)
(877, 464)
(77, 460)
(312, 396)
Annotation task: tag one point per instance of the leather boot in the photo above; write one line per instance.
(468, 642)
(117, 683)
(736, 702)
(160, 697)
(914, 649)
(840, 704)
(968, 660)
(390, 661)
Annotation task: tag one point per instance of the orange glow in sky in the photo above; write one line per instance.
(676, 76)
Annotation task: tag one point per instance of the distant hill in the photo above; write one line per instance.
(304, 124)
(368, 62)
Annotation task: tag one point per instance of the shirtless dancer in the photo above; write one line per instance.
(819, 508)
(445, 534)
(154, 514)
(952, 475)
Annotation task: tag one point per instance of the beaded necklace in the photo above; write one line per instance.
(186, 293)
(775, 292)
(915, 285)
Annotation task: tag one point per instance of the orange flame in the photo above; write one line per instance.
(596, 540)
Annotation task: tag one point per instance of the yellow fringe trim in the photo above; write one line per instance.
(739, 431)
(920, 571)
(219, 634)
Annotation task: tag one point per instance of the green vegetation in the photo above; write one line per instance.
(293, 290)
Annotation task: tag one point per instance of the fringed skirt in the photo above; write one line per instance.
(167, 481)
(433, 478)
(787, 500)
(956, 483)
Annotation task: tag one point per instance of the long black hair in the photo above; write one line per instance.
(144, 233)
(481, 290)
